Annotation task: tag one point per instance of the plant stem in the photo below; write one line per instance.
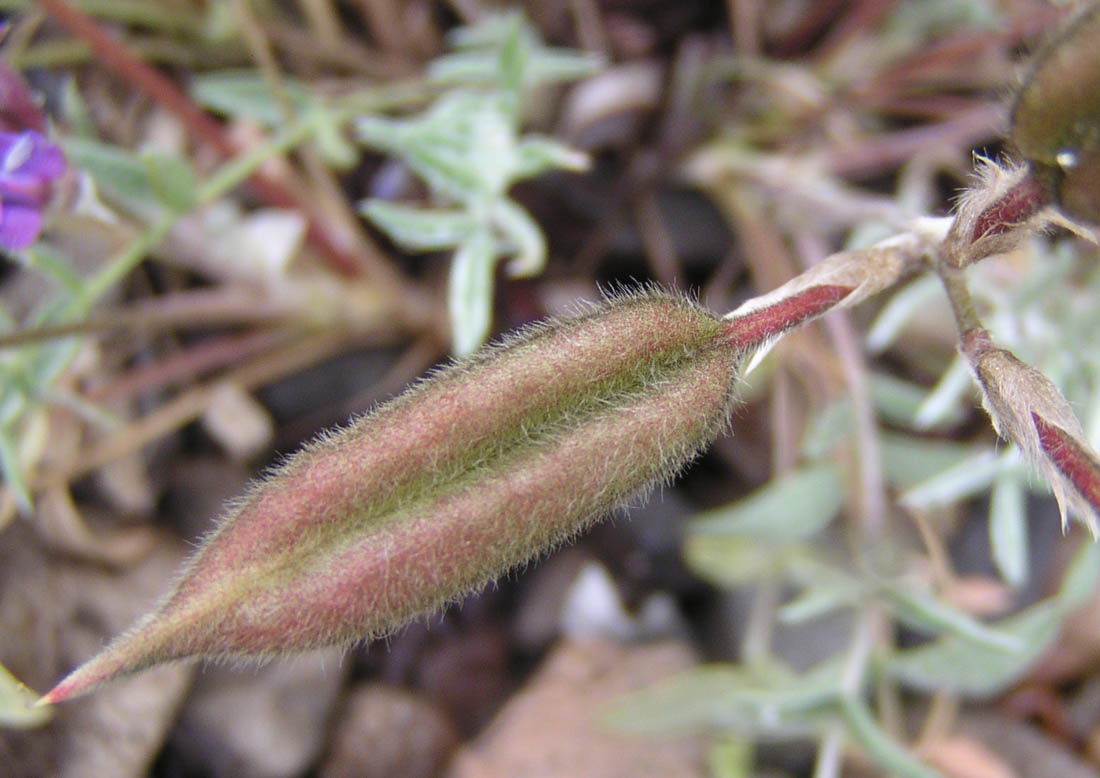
(228, 176)
(830, 752)
(120, 265)
(958, 295)
(241, 168)
(153, 15)
(188, 405)
(174, 311)
(159, 49)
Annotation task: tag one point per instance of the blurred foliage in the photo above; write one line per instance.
(468, 149)
(774, 535)
(1040, 304)
(17, 704)
(461, 131)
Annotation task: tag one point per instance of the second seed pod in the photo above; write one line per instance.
(1056, 118)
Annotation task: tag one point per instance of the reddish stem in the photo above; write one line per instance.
(755, 328)
(188, 365)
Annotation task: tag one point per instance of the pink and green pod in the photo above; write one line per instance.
(474, 470)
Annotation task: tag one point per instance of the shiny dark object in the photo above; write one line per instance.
(1056, 119)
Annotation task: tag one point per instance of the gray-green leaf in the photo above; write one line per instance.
(954, 665)
(418, 229)
(246, 94)
(172, 180)
(470, 294)
(729, 698)
(922, 611)
(1008, 529)
(791, 508)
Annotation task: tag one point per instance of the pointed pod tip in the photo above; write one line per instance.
(63, 691)
(77, 683)
(98, 670)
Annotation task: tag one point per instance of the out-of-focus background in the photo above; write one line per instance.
(263, 229)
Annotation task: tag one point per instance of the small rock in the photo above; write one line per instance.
(964, 757)
(264, 723)
(240, 424)
(384, 732)
(1029, 752)
(552, 727)
(54, 614)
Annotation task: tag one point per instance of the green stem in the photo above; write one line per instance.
(120, 265)
(958, 295)
(830, 752)
(227, 177)
(160, 49)
(889, 754)
(153, 15)
(756, 646)
(239, 169)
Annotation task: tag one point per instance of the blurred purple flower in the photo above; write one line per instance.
(28, 166)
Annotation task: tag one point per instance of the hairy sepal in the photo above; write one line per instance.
(1027, 409)
(469, 473)
(1007, 203)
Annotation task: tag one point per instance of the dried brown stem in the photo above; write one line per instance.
(189, 364)
(328, 200)
(183, 310)
(189, 405)
(873, 511)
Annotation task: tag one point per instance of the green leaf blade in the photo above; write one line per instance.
(470, 293)
(789, 509)
(417, 229)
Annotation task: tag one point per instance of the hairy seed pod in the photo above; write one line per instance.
(464, 476)
(1056, 118)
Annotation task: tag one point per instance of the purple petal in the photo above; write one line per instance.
(21, 189)
(37, 157)
(46, 159)
(28, 163)
(7, 140)
(19, 226)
